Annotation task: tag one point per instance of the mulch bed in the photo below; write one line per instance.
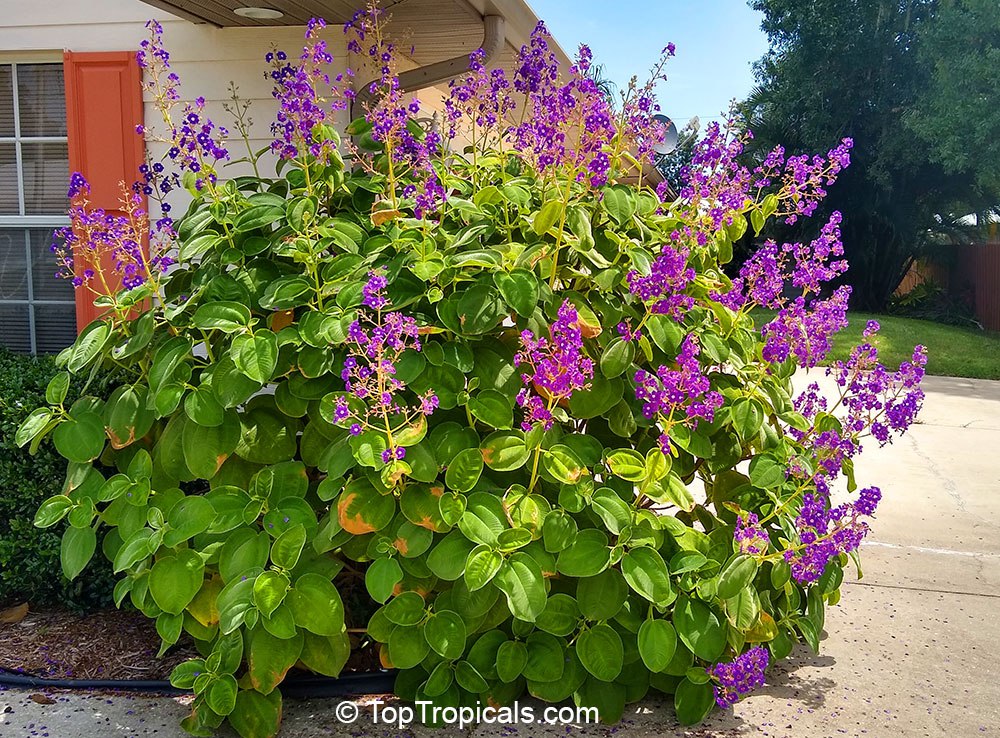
(112, 644)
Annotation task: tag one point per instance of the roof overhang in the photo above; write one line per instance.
(435, 29)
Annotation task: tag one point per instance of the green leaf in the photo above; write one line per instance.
(407, 647)
(288, 547)
(558, 531)
(207, 448)
(505, 451)
(562, 463)
(33, 425)
(547, 216)
(191, 248)
(256, 355)
(479, 309)
(221, 694)
(316, 605)
(81, 437)
(618, 202)
(560, 615)
(546, 657)
(407, 608)
(58, 386)
(521, 580)
(257, 216)
(627, 464)
(174, 580)
(520, 290)
(269, 658)
(699, 628)
(187, 518)
(736, 576)
(646, 573)
(657, 644)
(766, 472)
(748, 416)
(512, 656)
(227, 317)
(382, 577)
(601, 652)
(78, 547)
(88, 345)
(269, 590)
(256, 715)
(601, 597)
(446, 634)
(693, 701)
(52, 511)
(464, 470)
(482, 565)
(612, 509)
(587, 556)
(617, 357)
(492, 408)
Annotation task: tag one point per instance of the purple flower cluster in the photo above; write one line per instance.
(307, 98)
(715, 182)
(95, 238)
(803, 329)
(804, 179)
(483, 97)
(824, 532)
(681, 395)
(772, 269)
(410, 149)
(569, 124)
(750, 537)
(639, 108)
(558, 367)
(194, 142)
(741, 676)
(664, 286)
(875, 399)
(376, 340)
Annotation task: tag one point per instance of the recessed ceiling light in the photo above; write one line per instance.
(259, 13)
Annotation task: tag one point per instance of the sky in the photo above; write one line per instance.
(716, 42)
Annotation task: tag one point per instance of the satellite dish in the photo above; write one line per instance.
(669, 141)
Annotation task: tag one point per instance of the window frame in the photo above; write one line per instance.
(22, 220)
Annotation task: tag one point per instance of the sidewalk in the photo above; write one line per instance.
(913, 651)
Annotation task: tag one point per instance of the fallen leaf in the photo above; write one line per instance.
(14, 614)
(42, 699)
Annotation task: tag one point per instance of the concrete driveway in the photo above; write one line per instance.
(913, 651)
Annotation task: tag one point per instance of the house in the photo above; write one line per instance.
(71, 98)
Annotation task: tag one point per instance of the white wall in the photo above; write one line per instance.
(205, 58)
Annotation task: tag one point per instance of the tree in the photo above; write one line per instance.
(872, 70)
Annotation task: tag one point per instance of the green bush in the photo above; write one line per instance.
(29, 556)
(511, 388)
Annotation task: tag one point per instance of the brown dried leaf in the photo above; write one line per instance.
(14, 614)
(42, 699)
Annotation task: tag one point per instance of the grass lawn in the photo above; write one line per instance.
(951, 351)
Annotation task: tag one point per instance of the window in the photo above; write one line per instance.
(37, 310)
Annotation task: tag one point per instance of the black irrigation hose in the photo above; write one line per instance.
(297, 687)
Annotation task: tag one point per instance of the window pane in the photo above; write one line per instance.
(6, 101)
(14, 331)
(45, 285)
(55, 327)
(8, 180)
(46, 172)
(13, 265)
(41, 99)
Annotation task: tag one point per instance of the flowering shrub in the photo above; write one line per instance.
(503, 384)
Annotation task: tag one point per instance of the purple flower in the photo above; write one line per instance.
(664, 286)
(749, 536)
(681, 395)
(737, 678)
(558, 366)
(376, 341)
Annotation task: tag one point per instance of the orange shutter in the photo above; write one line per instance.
(103, 108)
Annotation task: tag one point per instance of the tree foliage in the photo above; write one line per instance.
(908, 81)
